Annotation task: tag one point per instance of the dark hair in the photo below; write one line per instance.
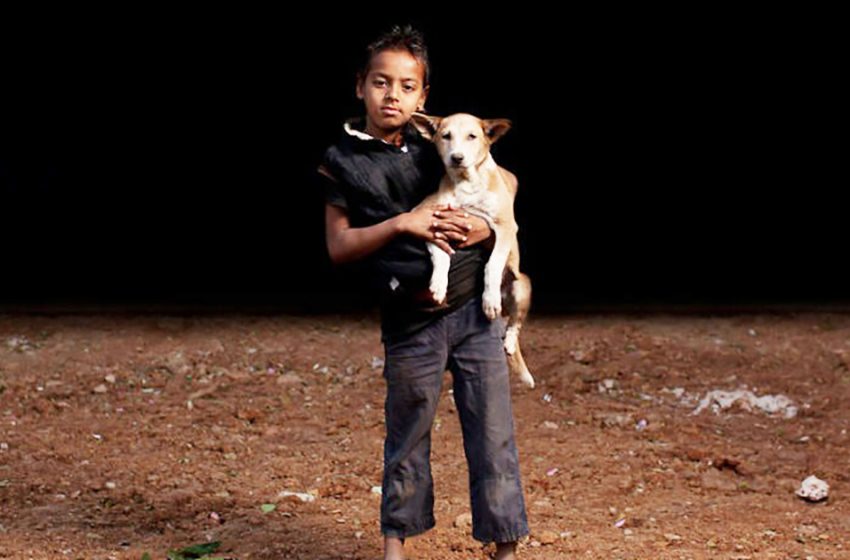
(398, 38)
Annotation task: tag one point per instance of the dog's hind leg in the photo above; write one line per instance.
(519, 302)
(516, 296)
(494, 271)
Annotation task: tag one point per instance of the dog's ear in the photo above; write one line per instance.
(495, 128)
(426, 124)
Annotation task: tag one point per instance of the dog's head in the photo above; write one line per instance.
(462, 140)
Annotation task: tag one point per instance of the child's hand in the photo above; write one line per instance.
(421, 222)
(462, 228)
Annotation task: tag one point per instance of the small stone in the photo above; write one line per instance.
(548, 537)
(672, 537)
(289, 378)
(100, 389)
(463, 521)
(109, 378)
(300, 496)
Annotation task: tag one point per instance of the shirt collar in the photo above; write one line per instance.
(353, 125)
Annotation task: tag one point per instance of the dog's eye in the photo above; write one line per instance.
(472, 137)
(447, 135)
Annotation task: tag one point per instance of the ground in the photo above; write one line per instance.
(122, 434)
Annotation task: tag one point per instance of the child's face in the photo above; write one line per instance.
(392, 90)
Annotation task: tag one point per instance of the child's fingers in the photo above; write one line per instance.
(459, 225)
(451, 235)
(444, 246)
(452, 224)
(449, 211)
(446, 226)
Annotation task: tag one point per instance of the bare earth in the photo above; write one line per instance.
(125, 434)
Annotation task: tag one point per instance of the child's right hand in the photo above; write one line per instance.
(421, 222)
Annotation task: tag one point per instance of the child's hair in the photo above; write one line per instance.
(398, 38)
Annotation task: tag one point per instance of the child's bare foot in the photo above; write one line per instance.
(505, 551)
(393, 548)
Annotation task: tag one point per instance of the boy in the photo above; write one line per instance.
(373, 177)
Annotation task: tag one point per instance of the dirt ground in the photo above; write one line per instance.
(132, 433)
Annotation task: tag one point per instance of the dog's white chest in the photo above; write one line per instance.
(470, 195)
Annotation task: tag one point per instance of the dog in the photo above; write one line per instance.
(474, 182)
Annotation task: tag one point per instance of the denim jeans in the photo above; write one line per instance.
(471, 347)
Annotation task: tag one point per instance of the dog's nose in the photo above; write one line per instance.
(457, 158)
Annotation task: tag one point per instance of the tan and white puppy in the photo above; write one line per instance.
(474, 182)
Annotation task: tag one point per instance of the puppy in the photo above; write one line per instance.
(474, 182)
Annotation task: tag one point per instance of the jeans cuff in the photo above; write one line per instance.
(513, 534)
(421, 527)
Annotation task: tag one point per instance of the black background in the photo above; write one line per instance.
(663, 158)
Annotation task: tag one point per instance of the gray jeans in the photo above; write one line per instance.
(471, 347)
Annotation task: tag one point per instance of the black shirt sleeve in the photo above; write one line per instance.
(332, 190)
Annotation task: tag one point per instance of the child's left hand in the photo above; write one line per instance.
(456, 223)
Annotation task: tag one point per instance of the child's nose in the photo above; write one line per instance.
(392, 92)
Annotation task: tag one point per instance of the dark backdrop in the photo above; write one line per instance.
(663, 158)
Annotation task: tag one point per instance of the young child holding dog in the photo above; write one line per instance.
(372, 178)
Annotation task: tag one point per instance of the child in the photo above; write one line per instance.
(372, 179)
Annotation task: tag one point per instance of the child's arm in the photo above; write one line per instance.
(346, 243)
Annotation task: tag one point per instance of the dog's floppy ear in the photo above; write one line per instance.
(495, 128)
(426, 124)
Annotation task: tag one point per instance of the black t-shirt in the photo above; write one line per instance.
(374, 181)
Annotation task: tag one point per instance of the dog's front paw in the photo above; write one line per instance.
(438, 289)
(492, 304)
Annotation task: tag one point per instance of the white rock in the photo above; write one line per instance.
(303, 496)
(813, 489)
(771, 404)
(607, 385)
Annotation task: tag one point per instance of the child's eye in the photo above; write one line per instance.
(379, 83)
